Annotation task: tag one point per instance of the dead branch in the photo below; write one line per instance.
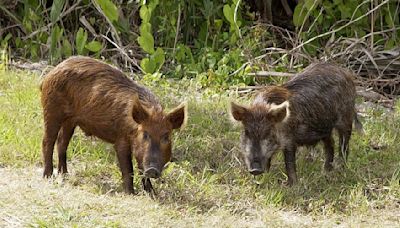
(271, 74)
(370, 95)
(46, 27)
(124, 54)
(367, 94)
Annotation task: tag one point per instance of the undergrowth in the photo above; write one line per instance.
(207, 172)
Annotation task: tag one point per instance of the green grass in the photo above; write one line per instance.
(207, 173)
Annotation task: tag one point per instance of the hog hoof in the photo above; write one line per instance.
(47, 173)
(289, 183)
(130, 191)
(328, 167)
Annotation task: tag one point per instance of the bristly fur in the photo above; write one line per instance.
(285, 105)
(273, 95)
(318, 100)
(184, 104)
(229, 111)
(103, 102)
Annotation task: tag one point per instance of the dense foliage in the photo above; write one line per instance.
(216, 41)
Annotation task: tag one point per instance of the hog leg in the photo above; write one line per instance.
(268, 165)
(124, 156)
(329, 152)
(147, 186)
(289, 153)
(344, 138)
(64, 136)
(51, 128)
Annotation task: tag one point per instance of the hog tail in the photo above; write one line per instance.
(358, 125)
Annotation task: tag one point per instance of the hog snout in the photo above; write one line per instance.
(152, 172)
(256, 168)
(256, 172)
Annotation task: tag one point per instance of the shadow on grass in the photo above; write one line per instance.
(208, 173)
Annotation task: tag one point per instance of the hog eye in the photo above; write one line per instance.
(165, 139)
(146, 135)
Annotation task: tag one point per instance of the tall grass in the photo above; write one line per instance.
(207, 172)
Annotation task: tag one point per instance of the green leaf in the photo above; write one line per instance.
(299, 15)
(345, 11)
(389, 19)
(33, 16)
(145, 27)
(80, 41)
(147, 65)
(55, 36)
(229, 14)
(153, 4)
(56, 8)
(233, 38)
(43, 37)
(109, 9)
(145, 14)
(146, 42)
(94, 46)
(312, 4)
(34, 51)
(390, 44)
(4, 42)
(27, 25)
(66, 48)
(18, 42)
(159, 58)
(218, 24)
(337, 2)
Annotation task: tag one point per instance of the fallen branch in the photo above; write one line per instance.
(271, 74)
(124, 54)
(114, 32)
(367, 94)
(39, 66)
(117, 47)
(370, 95)
(247, 87)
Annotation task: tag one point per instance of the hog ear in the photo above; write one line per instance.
(238, 112)
(178, 116)
(279, 113)
(139, 114)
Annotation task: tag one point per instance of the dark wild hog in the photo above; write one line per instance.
(105, 103)
(303, 111)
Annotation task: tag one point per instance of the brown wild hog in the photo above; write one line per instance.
(303, 111)
(105, 103)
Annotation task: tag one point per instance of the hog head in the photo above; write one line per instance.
(260, 136)
(152, 143)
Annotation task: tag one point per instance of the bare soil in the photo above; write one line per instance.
(28, 200)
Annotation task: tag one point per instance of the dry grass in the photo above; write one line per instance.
(28, 200)
(205, 186)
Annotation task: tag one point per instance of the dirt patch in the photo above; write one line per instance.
(27, 199)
